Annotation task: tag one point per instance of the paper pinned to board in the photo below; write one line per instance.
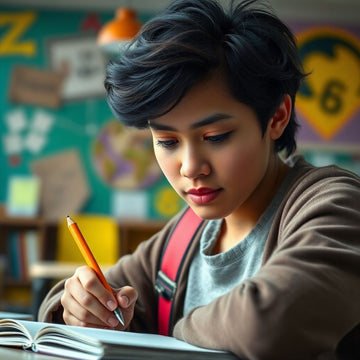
(23, 196)
(34, 142)
(12, 143)
(130, 204)
(16, 120)
(35, 86)
(64, 185)
(42, 121)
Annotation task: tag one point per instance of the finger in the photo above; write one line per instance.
(85, 307)
(74, 315)
(72, 305)
(92, 284)
(72, 320)
(126, 296)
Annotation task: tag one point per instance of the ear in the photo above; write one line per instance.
(280, 119)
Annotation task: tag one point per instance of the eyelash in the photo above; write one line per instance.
(215, 139)
(166, 144)
(218, 138)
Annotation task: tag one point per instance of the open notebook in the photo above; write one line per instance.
(89, 343)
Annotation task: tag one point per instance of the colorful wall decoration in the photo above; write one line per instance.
(59, 48)
(40, 52)
(328, 102)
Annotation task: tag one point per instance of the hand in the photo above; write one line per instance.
(87, 303)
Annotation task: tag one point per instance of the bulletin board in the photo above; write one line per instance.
(55, 105)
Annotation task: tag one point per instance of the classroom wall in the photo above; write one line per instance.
(46, 137)
(80, 122)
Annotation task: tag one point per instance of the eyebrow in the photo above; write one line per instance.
(207, 121)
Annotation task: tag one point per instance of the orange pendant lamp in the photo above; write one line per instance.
(118, 32)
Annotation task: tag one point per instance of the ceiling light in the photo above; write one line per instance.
(114, 35)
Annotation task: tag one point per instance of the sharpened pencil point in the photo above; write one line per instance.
(119, 316)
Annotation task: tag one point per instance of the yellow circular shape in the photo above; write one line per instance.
(167, 202)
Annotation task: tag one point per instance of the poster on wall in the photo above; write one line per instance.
(124, 161)
(35, 86)
(328, 101)
(124, 158)
(64, 185)
(80, 59)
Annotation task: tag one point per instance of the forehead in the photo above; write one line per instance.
(208, 101)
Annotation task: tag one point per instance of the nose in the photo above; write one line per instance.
(194, 163)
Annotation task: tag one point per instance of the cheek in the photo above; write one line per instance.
(236, 166)
(167, 164)
(171, 171)
(245, 164)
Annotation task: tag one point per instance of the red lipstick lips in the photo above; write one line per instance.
(203, 196)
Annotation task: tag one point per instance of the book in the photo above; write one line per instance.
(23, 250)
(13, 251)
(90, 343)
(32, 250)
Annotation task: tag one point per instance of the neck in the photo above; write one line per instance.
(240, 223)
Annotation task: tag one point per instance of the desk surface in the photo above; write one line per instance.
(8, 353)
(19, 354)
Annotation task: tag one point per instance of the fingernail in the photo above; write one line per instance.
(111, 305)
(113, 321)
(126, 299)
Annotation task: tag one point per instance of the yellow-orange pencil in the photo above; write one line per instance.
(90, 259)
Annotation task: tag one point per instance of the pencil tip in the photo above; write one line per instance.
(119, 316)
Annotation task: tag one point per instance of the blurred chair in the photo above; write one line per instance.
(102, 235)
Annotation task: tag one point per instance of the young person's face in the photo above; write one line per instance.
(212, 151)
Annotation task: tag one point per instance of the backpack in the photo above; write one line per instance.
(174, 253)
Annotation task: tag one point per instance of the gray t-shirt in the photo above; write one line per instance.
(211, 276)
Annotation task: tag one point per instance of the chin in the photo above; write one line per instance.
(208, 213)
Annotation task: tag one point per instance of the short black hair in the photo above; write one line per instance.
(188, 41)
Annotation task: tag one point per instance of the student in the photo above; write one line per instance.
(274, 272)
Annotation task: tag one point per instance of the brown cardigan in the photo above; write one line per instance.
(302, 302)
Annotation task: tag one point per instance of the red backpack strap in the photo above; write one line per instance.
(173, 255)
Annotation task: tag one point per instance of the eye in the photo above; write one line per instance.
(167, 144)
(218, 138)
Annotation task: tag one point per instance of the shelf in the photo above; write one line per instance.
(133, 232)
(11, 221)
(18, 291)
(9, 282)
(142, 224)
